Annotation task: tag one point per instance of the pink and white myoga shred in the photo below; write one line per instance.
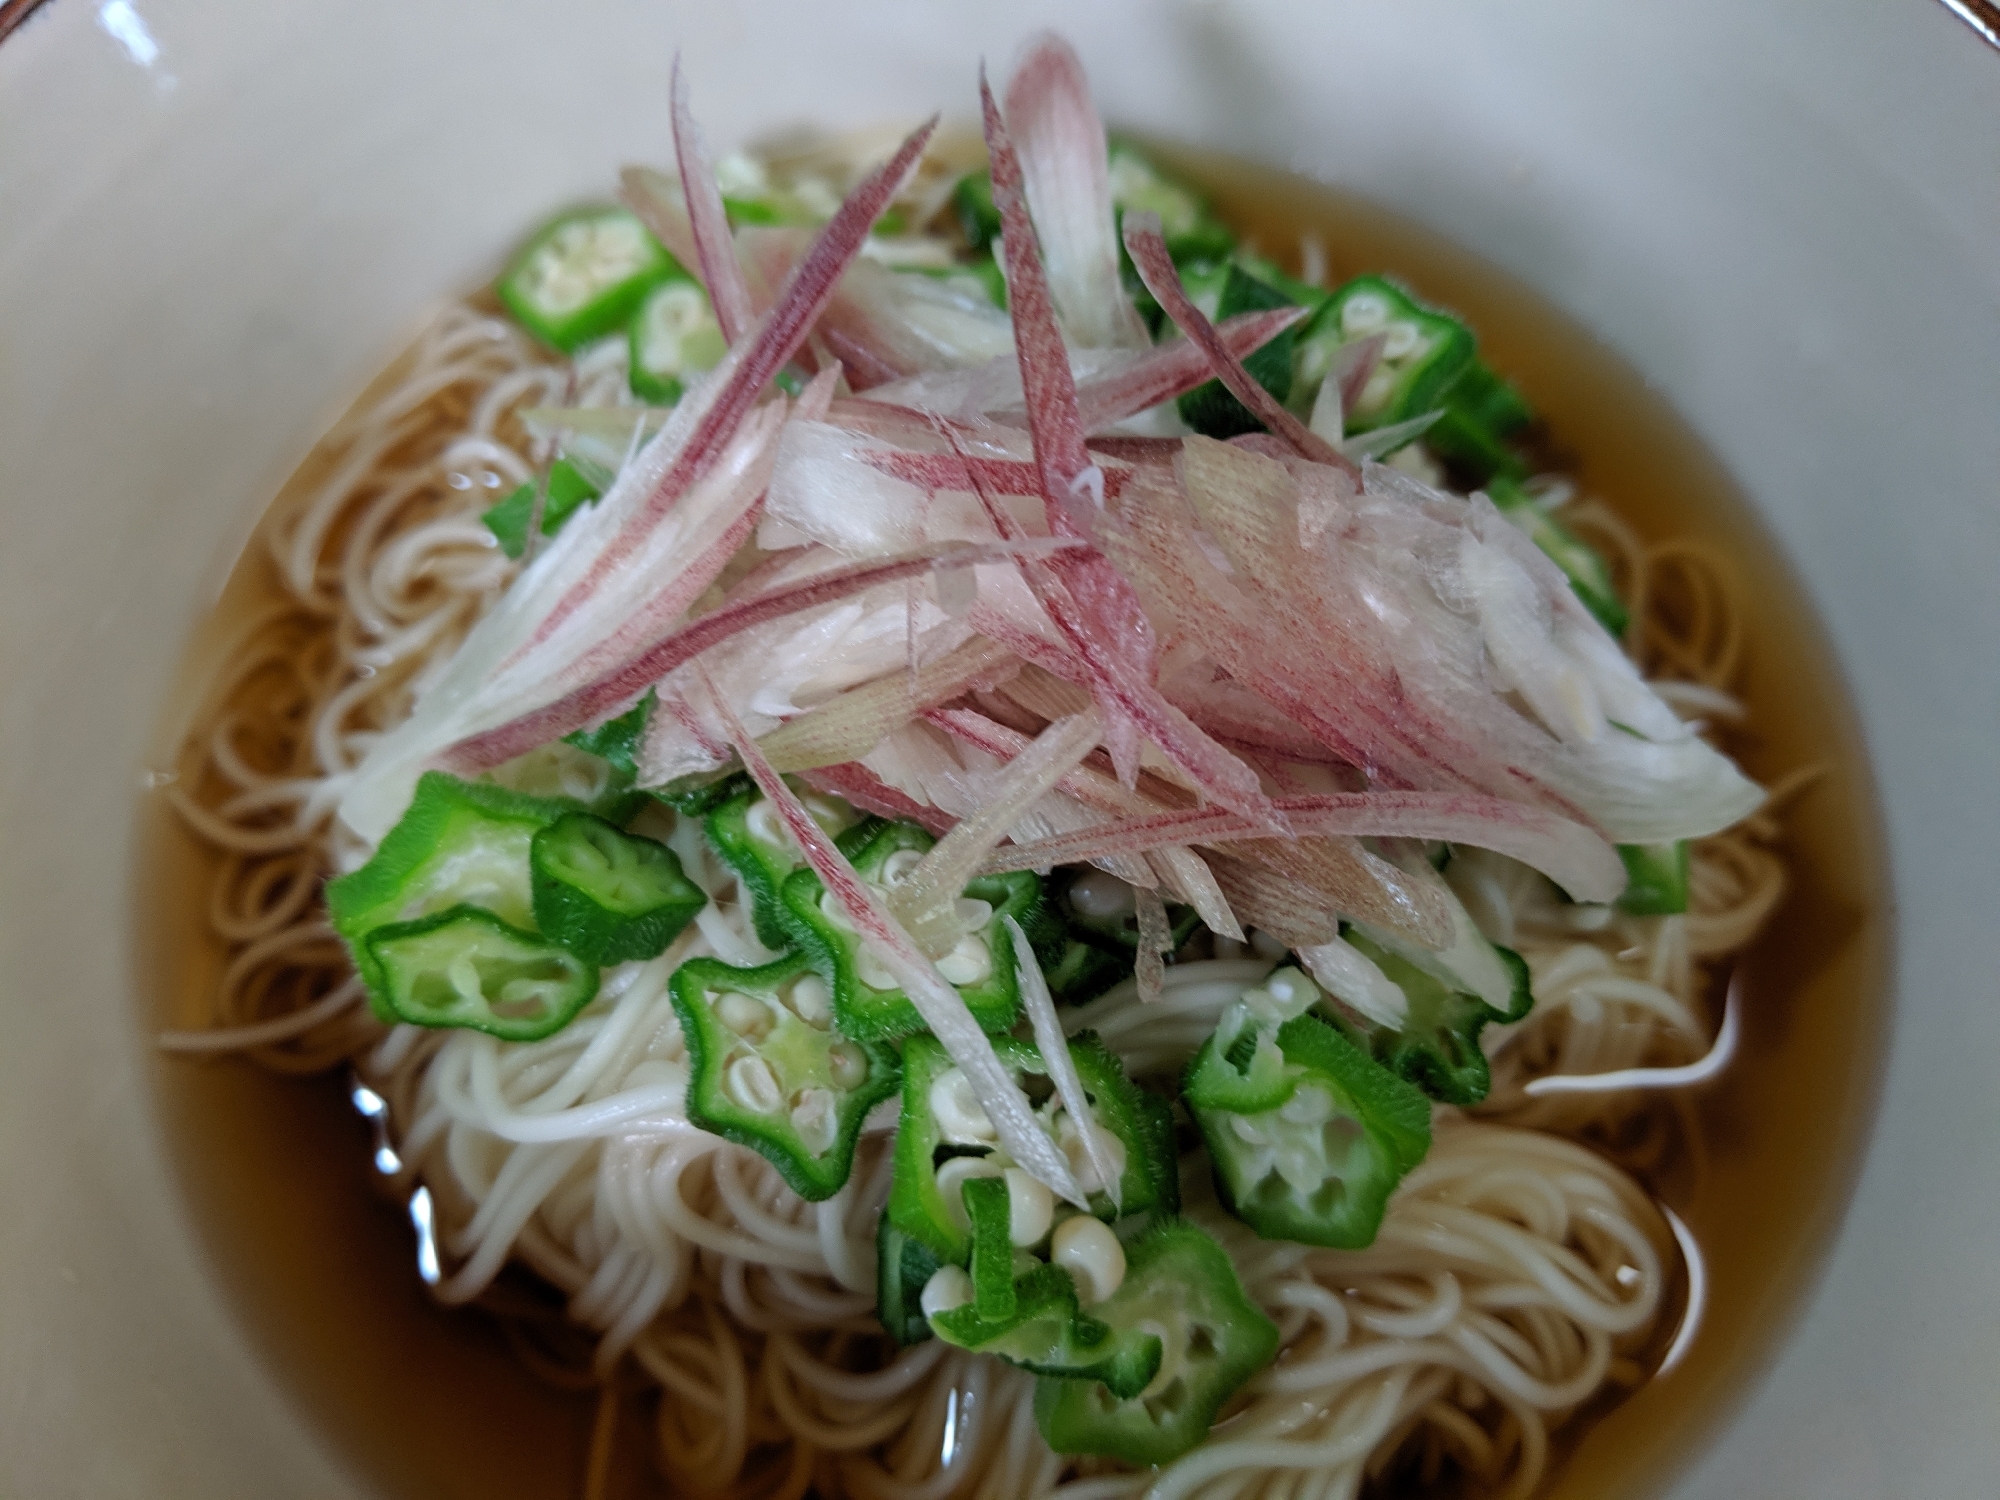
(984, 582)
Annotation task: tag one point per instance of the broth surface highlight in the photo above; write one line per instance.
(320, 1265)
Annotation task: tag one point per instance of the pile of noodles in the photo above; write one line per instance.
(1518, 1276)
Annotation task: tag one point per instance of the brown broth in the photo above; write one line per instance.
(319, 1264)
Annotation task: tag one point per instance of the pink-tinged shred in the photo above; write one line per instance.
(716, 250)
(847, 727)
(1570, 854)
(1065, 172)
(662, 207)
(1156, 268)
(723, 400)
(594, 699)
(869, 792)
(1050, 1041)
(941, 1006)
(925, 904)
(1003, 476)
(1170, 370)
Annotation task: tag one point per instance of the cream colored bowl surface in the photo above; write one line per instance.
(218, 218)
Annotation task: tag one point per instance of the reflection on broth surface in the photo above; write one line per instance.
(317, 1244)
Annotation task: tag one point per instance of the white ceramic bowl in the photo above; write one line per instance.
(218, 219)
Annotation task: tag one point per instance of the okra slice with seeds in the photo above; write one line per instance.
(582, 276)
(1029, 1311)
(1423, 352)
(770, 1072)
(866, 999)
(1437, 1046)
(944, 1139)
(459, 843)
(1180, 1288)
(609, 896)
(465, 967)
(674, 337)
(1310, 1150)
(746, 830)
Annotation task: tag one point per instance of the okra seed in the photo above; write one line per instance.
(828, 814)
(1030, 1207)
(1401, 340)
(752, 1084)
(811, 1001)
(1100, 895)
(969, 962)
(1363, 314)
(961, 1118)
(1090, 1252)
(871, 970)
(899, 866)
(835, 914)
(813, 1117)
(1070, 1139)
(951, 1180)
(1289, 987)
(971, 914)
(949, 1287)
(764, 823)
(1307, 1106)
(847, 1065)
(1377, 389)
(746, 1015)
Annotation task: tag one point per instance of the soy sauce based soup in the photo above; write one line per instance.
(320, 1263)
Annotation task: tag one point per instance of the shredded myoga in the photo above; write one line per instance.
(1518, 1270)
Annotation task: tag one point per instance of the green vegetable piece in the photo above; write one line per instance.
(1657, 883)
(1191, 230)
(1487, 399)
(1473, 450)
(465, 967)
(568, 491)
(1140, 1123)
(986, 1209)
(617, 740)
(607, 896)
(460, 842)
(1316, 1159)
(1588, 574)
(1210, 408)
(674, 336)
(1083, 971)
(866, 999)
(1043, 1326)
(750, 835)
(903, 1268)
(1181, 1288)
(1437, 1048)
(978, 216)
(582, 276)
(771, 1073)
(701, 793)
(1423, 353)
